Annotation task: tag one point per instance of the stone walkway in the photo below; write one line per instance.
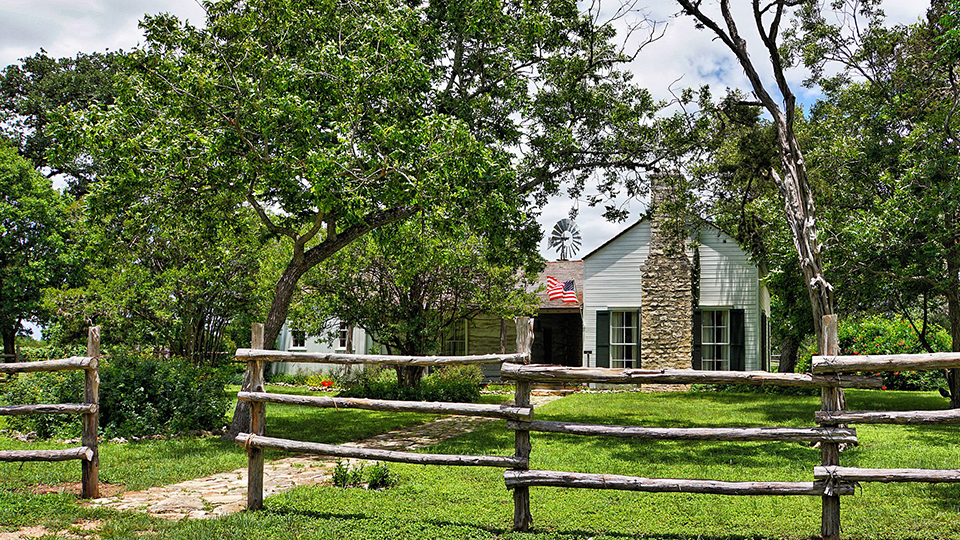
(226, 493)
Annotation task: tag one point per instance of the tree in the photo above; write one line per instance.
(173, 283)
(31, 97)
(332, 119)
(739, 153)
(890, 120)
(34, 252)
(407, 283)
(790, 173)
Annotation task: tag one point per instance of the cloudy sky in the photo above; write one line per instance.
(683, 57)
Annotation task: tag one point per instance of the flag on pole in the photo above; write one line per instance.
(566, 291)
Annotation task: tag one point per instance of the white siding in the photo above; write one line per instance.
(727, 280)
(315, 344)
(611, 280)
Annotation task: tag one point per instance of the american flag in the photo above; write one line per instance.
(567, 291)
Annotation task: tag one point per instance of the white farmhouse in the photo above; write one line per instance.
(705, 308)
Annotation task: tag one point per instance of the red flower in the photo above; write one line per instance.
(883, 387)
(326, 384)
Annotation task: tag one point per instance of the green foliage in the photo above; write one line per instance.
(45, 387)
(380, 477)
(35, 92)
(885, 334)
(459, 384)
(345, 476)
(34, 242)
(141, 394)
(408, 283)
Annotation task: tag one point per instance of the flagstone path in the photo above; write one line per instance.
(225, 493)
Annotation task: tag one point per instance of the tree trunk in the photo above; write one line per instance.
(286, 286)
(953, 311)
(409, 376)
(788, 354)
(9, 332)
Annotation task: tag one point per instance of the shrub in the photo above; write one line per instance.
(141, 394)
(380, 477)
(452, 383)
(45, 387)
(346, 476)
(880, 334)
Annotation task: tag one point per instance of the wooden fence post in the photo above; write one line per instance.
(258, 417)
(830, 451)
(90, 478)
(522, 519)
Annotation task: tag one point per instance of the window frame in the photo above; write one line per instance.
(450, 337)
(710, 362)
(298, 336)
(618, 347)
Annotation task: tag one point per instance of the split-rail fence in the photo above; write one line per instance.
(831, 373)
(89, 411)
(256, 441)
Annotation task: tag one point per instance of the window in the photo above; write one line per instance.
(455, 342)
(715, 339)
(299, 339)
(624, 338)
(344, 333)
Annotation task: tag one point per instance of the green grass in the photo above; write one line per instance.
(450, 502)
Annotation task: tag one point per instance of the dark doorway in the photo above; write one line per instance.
(558, 339)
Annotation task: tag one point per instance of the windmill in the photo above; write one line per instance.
(565, 238)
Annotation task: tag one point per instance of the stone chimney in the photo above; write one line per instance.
(666, 304)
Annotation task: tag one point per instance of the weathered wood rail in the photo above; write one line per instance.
(829, 436)
(256, 441)
(89, 411)
(666, 485)
(833, 414)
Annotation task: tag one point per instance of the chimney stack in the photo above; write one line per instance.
(666, 304)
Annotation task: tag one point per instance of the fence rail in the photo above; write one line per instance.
(381, 359)
(245, 439)
(886, 362)
(515, 479)
(436, 407)
(548, 374)
(951, 416)
(742, 434)
(855, 474)
(88, 454)
(74, 362)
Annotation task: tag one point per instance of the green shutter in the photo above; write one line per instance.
(697, 339)
(737, 348)
(603, 339)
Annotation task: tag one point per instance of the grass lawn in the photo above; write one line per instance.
(449, 502)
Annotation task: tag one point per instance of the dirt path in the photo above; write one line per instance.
(225, 493)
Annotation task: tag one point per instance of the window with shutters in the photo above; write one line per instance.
(624, 339)
(715, 340)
